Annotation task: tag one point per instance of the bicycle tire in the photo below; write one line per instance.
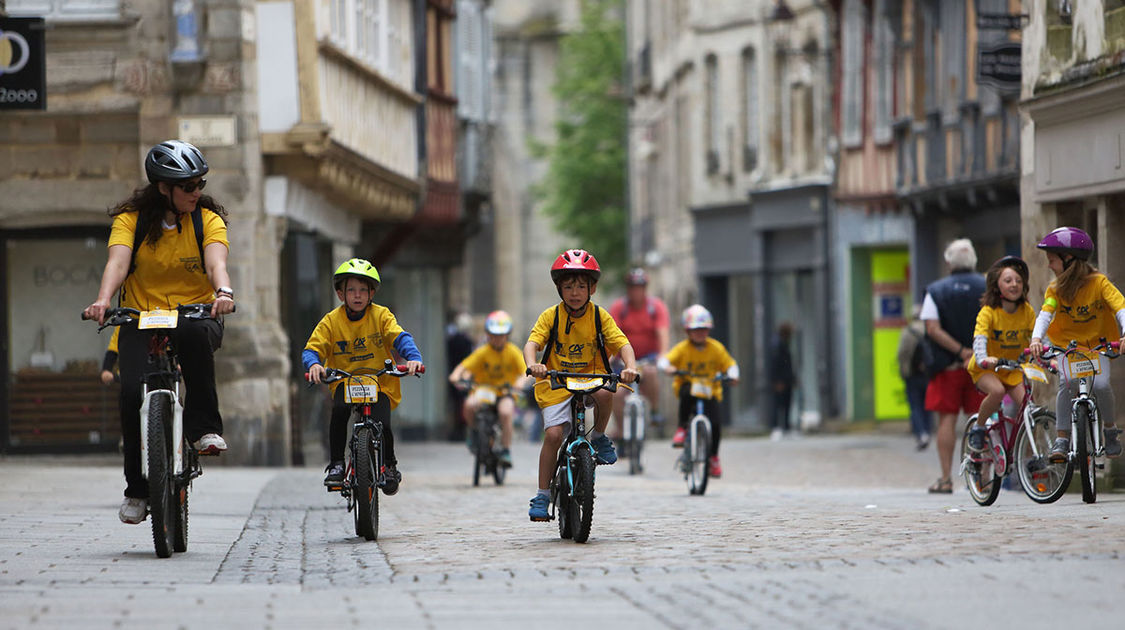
(478, 461)
(499, 471)
(160, 482)
(982, 480)
(180, 541)
(560, 492)
(366, 494)
(1042, 481)
(582, 501)
(1084, 451)
(700, 472)
(633, 447)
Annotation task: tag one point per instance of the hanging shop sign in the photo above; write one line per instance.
(23, 65)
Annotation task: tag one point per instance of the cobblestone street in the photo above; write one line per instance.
(833, 531)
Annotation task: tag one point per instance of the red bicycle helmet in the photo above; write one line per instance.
(575, 261)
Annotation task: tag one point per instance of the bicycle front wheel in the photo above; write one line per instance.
(634, 418)
(161, 485)
(560, 495)
(365, 492)
(982, 479)
(582, 499)
(1042, 481)
(1084, 447)
(700, 450)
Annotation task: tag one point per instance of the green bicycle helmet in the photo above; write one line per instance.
(356, 268)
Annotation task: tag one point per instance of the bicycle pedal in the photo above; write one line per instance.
(542, 520)
(336, 488)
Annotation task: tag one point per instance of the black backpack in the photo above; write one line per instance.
(552, 339)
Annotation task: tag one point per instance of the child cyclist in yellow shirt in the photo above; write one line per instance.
(1081, 305)
(569, 333)
(1003, 330)
(702, 357)
(496, 364)
(359, 334)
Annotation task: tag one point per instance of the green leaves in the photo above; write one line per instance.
(584, 189)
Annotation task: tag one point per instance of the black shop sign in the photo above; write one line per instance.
(23, 64)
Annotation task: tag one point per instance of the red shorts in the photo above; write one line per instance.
(950, 391)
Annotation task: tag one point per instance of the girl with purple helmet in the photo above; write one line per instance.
(1082, 305)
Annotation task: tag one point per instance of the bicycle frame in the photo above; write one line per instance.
(635, 400)
(1085, 397)
(577, 436)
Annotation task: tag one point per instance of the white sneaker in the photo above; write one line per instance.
(775, 435)
(210, 444)
(133, 511)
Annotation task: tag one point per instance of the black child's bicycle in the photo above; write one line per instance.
(572, 487)
(168, 460)
(486, 431)
(365, 468)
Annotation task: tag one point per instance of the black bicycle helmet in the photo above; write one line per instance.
(174, 161)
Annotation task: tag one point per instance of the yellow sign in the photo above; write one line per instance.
(158, 319)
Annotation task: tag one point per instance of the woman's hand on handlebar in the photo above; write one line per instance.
(538, 370)
(96, 311)
(316, 373)
(223, 305)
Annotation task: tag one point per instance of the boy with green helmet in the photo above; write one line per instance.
(359, 334)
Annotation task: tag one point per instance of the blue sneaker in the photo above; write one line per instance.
(604, 448)
(976, 437)
(538, 511)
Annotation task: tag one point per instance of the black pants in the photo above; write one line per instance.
(711, 409)
(338, 428)
(195, 342)
(781, 403)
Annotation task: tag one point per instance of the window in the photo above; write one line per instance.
(883, 47)
(854, 36)
(363, 29)
(750, 139)
(713, 124)
(953, 61)
(65, 9)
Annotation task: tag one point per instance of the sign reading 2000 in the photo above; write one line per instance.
(23, 76)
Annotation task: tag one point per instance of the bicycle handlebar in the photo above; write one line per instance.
(331, 375)
(610, 380)
(720, 377)
(123, 315)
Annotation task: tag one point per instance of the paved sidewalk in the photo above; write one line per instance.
(832, 532)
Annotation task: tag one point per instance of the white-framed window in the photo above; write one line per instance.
(472, 61)
(883, 50)
(750, 132)
(66, 9)
(367, 30)
(854, 36)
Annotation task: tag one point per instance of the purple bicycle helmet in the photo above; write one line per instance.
(1068, 240)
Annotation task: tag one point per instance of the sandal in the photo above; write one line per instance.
(942, 486)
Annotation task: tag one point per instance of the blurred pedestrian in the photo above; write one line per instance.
(950, 314)
(458, 346)
(912, 369)
(783, 379)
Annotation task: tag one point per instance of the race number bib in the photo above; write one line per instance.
(1034, 373)
(700, 388)
(485, 395)
(583, 384)
(158, 319)
(1079, 365)
(356, 393)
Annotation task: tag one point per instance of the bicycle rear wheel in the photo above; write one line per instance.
(582, 500)
(982, 479)
(161, 485)
(1042, 481)
(366, 494)
(1084, 447)
(700, 450)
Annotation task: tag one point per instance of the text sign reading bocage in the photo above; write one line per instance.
(23, 66)
(999, 65)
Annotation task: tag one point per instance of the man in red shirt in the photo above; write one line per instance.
(644, 320)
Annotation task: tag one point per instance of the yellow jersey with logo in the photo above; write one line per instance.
(172, 273)
(701, 361)
(1008, 334)
(1088, 317)
(576, 348)
(346, 345)
(495, 368)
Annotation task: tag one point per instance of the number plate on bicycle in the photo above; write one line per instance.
(1034, 373)
(158, 319)
(485, 395)
(1078, 365)
(701, 388)
(583, 384)
(355, 393)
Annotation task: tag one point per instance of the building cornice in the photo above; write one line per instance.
(1077, 101)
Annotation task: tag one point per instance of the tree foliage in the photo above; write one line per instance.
(584, 189)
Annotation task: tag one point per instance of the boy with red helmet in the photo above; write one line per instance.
(572, 345)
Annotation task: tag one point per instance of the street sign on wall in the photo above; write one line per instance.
(23, 66)
(999, 65)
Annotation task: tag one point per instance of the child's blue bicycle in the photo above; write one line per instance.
(572, 487)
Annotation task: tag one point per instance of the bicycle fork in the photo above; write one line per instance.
(177, 427)
(1084, 399)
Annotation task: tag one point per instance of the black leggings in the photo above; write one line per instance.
(196, 341)
(711, 409)
(338, 429)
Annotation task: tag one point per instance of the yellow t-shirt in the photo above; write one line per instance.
(706, 361)
(172, 273)
(493, 367)
(1088, 317)
(576, 348)
(1007, 333)
(367, 343)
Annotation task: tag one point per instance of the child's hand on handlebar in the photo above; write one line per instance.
(538, 370)
(1036, 348)
(316, 373)
(413, 367)
(988, 363)
(629, 374)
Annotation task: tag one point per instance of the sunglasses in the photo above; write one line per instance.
(191, 187)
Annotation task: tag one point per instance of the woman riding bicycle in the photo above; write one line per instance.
(168, 246)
